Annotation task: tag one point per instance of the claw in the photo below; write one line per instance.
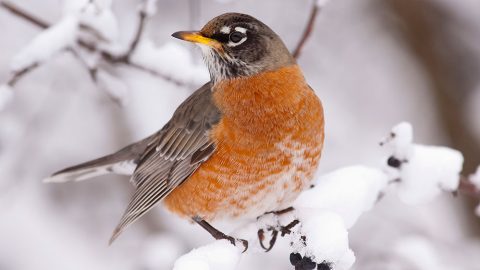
(245, 244)
(261, 237)
(273, 240)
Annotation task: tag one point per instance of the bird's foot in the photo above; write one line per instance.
(234, 241)
(275, 228)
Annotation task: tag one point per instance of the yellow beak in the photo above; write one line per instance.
(196, 37)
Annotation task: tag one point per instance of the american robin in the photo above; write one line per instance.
(246, 143)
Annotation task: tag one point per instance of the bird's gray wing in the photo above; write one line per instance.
(173, 155)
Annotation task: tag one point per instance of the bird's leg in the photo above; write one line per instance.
(218, 235)
(275, 228)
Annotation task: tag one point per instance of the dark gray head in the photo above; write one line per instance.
(236, 45)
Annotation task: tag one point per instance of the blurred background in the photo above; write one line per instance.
(374, 63)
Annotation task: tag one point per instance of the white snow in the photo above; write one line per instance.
(425, 171)
(326, 239)
(97, 17)
(47, 43)
(113, 86)
(430, 170)
(150, 7)
(103, 22)
(161, 251)
(219, 255)
(400, 141)
(348, 191)
(172, 60)
(419, 253)
(6, 95)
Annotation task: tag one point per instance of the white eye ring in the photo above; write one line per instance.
(235, 35)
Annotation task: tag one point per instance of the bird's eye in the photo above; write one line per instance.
(236, 36)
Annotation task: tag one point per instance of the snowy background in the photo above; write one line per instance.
(374, 63)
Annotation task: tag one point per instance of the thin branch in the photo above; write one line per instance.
(105, 55)
(92, 71)
(157, 74)
(92, 31)
(19, 74)
(138, 34)
(16, 76)
(23, 14)
(307, 31)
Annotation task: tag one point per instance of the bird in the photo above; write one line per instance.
(246, 143)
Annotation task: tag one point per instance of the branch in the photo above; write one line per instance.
(156, 74)
(24, 15)
(105, 55)
(16, 76)
(138, 34)
(307, 31)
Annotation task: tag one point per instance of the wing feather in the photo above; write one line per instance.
(178, 150)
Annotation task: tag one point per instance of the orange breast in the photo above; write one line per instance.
(269, 142)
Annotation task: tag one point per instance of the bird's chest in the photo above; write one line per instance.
(268, 145)
(263, 177)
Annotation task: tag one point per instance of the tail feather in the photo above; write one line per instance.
(80, 173)
(121, 162)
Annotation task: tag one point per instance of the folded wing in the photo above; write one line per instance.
(172, 155)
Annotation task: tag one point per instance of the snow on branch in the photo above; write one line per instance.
(89, 30)
(44, 46)
(317, 224)
(24, 15)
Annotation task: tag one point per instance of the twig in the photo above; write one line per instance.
(157, 74)
(19, 74)
(105, 55)
(23, 14)
(33, 20)
(138, 34)
(92, 71)
(307, 31)
(92, 31)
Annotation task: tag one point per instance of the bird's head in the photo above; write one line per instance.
(236, 45)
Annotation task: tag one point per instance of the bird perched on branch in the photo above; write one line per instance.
(246, 143)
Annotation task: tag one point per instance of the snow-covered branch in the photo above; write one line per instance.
(317, 224)
(89, 31)
(23, 14)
